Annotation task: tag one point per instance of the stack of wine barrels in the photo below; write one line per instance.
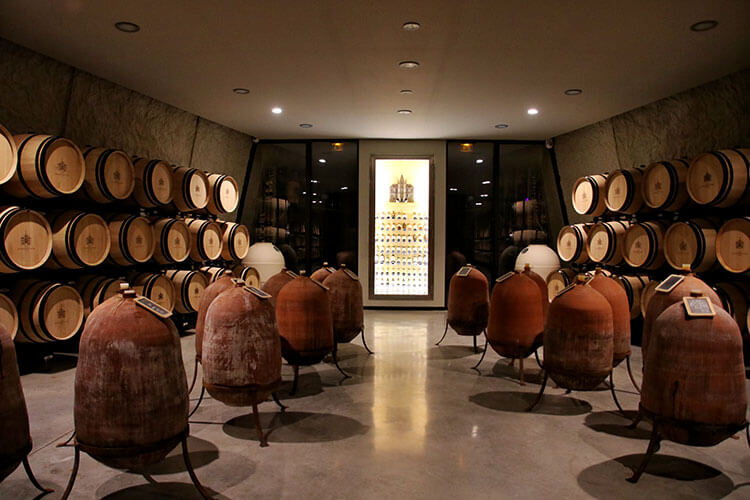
(653, 220)
(527, 219)
(134, 218)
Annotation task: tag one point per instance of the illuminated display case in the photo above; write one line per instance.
(401, 230)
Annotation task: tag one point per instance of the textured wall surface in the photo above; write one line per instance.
(33, 91)
(713, 116)
(42, 95)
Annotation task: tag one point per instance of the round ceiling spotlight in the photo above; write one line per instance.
(404, 111)
(410, 26)
(706, 25)
(406, 91)
(305, 125)
(573, 92)
(322, 160)
(277, 110)
(532, 111)
(408, 64)
(501, 125)
(479, 161)
(241, 91)
(127, 27)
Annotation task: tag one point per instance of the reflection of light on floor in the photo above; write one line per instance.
(399, 402)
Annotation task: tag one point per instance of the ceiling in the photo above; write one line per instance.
(333, 63)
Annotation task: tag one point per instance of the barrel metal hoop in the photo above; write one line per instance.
(652, 242)
(747, 177)
(42, 303)
(727, 179)
(19, 170)
(186, 187)
(594, 196)
(230, 242)
(700, 238)
(42, 173)
(123, 239)
(5, 217)
(185, 290)
(630, 182)
(101, 164)
(164, 240)
(674, 184)
(148, 177)
(72, 252)
(217, 193)
(201, 237)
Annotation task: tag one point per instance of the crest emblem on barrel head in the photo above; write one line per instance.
(25, 240)
(707, 177)
(62, 167)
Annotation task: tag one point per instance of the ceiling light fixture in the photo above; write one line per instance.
(533, 111)
(408, 64)
(501, 125)
(486, 182)
(479, 203)
(321, 160)
(484, 195)
(406, 91)
(344, 188)
(277, 110)
(704, 25)
(127, 27)
(241, 91)
(404, 111)
(479, 161)
(305, 125)
(573, 92)
(466, 147)
(452, 189)
(411, 26)
(337, 146)
(314, 181)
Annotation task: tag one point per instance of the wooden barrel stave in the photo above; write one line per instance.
(665, 185)
(153, 183)
(48, 167)
(190, 190)
(25, 240)
(733, 245)
(589, 195)
(173, 241)
(720, 178)
(606, 241)
(206, 239)
(235, 241)
(79, 240)
(110, 175)
(644, 245)
(571, 243)
(8, 315)
(131, 239)
(48, 311)
(634, 286)
(156, 287)
(558, 280)
(8, 155)
(248, 274)
(691, 242)
(223, 194)
(96, 289)
(623, 191)
(189, 286)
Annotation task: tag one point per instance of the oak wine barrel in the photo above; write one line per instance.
(606, 242)
(96, 289)
(47, 311)
(558, 280)
(48, 166)
(526, 213)
(131, 239)
(223, 194)
(213, 272)
(589, 195)
(153, 183)
(25, 239)
(528, 236)
(189, 286)
(733, 245)
(644, 245)
(156, 287)
(235, 241)
(665, 185)
(8, 315)
(79, 239)
(206, 239)
(691, 242)
(735, 296)
(8, 155)
(173, 241)
(273, 233)
(190, 189)
(720, 178)
(247, 274)
(571, 243)
(623, 191)
(110, 175)
(634, 286)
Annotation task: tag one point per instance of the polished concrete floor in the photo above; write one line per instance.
(414, 421)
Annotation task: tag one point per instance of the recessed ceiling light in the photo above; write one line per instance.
(479, 203)
(486, 182)
(483, 195)
(452, 189)
(408, 64)
(501, 125)
(344, 188)
(479, 161)
(314, 181)
(573, 92)
(241, 91)
(532, 111)
(404, 111)
(407, 91)
(321, 160)
(704, 25)
(277, 110)
(410, 26)
(305, 125)
(127, 27)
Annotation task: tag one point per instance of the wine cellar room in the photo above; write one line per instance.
(348, 250)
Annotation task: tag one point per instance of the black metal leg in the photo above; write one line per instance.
(476, 366)
(191, 471)
(539, 396)
(364, 342)
(195, 376)
(653, 446)
(475, 343)
(538, 361)
(636, 421)
(258, 427)
(614, 395)
(67, 441)
(630, 373)
(32, 478)
(520, 372)
(295, 381)
(336, 361)
(73, 474)
(200, 400)
(278, 402)
(444, 333)
(747, 434)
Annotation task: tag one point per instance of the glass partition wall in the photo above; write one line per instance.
(302, 196)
